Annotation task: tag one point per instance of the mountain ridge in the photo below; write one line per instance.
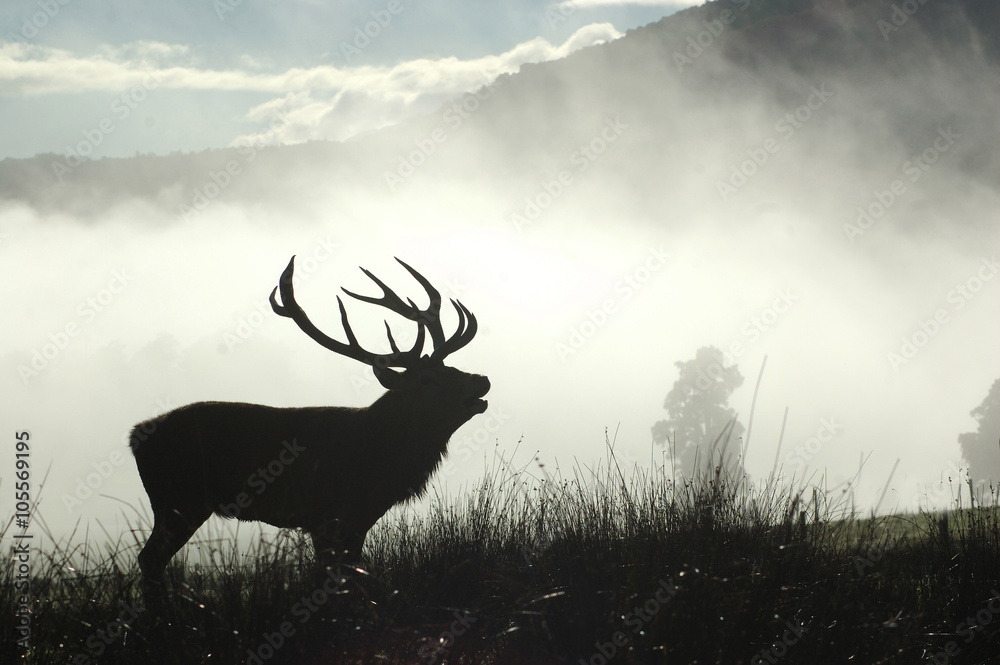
(720, 52)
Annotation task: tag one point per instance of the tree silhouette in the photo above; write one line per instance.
(980, 448)
(698, 413)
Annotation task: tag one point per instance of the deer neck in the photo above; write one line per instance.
(397, 418)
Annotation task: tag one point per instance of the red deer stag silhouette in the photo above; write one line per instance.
(332, 471)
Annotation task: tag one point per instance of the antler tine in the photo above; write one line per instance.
(389, 299)
(392, 342)
(463, 335)
(418, 346)
(352, 340)
(289, 308)
(432, 315)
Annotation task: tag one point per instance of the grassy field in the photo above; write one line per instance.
(532, 567)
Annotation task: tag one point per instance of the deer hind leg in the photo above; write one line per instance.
(170, 531)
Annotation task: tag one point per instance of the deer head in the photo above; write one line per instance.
(431, 386)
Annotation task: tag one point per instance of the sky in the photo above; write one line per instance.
(635, 260)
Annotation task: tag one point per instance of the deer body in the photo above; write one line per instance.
(332, 471)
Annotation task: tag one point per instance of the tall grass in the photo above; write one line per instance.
(531, 566)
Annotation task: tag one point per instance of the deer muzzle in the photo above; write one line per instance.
(478, 387)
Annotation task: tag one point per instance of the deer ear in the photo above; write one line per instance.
(390, 379)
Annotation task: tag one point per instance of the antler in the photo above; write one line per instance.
(290, 309)
(430, 317)
(463, 335)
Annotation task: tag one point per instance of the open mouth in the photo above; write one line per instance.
(475, 403)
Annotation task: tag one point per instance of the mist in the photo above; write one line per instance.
(833, 217)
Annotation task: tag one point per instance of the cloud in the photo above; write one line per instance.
(380, 97)
(318, 102)
(588, 4)
(36, 70)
